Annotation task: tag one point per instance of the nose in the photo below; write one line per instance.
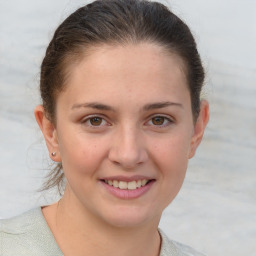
(128, 148)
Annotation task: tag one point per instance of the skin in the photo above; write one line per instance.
(137, 83)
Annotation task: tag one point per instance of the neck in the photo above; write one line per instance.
(79, 232)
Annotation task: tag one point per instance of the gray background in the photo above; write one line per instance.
(215, 211)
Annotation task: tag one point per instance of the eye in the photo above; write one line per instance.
(158, 120)
(95, 121)
(161, 121)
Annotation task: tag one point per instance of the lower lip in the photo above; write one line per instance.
(126, 193)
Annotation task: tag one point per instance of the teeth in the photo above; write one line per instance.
(132, 185)
(138, 183)
(123, 185)
(115, 183)
(143, 182)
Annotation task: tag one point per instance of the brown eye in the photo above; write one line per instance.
(158, 120)
(95, 121)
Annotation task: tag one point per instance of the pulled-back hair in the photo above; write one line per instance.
(116, 22)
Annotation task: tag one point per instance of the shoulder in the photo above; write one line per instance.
(173, 248)
(22, 223)
(27, 234)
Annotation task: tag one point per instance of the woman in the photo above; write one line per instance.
(121, 115)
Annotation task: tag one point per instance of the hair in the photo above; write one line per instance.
(116, 22)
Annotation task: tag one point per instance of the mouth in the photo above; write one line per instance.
(127, 187)
(131, 185)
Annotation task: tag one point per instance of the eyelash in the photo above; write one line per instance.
(167, 121)
(87, 121)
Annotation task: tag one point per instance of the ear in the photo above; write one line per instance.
(199, 128)
(49, 131)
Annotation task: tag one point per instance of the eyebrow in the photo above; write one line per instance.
(147, 107)
(94, 105)
(158, 105)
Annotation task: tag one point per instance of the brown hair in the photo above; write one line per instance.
(115, 22)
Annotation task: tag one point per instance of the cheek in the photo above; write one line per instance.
(81, 154)
(171, 158)
(172, 152)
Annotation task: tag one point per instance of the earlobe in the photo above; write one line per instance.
(199, 128)
(49, 132)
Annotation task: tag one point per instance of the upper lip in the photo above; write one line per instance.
(127, 179)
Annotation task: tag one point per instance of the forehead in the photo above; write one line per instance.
(142, 69)
(146, 56)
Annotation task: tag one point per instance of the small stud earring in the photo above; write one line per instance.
(53, 153)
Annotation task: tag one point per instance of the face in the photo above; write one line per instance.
(125, 132)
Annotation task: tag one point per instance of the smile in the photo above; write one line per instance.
(131, 185)
(127, 188)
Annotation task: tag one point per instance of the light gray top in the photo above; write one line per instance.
(29, 234)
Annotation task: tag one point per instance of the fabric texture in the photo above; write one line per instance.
(29, 234)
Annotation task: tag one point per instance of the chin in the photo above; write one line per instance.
(131, 218)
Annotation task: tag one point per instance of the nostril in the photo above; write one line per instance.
(116, 163)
